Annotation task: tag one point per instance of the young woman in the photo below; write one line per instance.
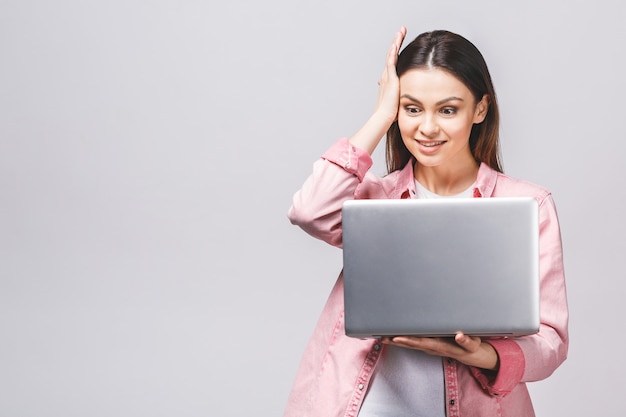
(437, 108)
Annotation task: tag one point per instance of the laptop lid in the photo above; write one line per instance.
(432, 267)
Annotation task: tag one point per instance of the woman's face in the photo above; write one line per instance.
(436, 115)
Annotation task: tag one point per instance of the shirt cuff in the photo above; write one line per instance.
(510, 372)
(351, 158)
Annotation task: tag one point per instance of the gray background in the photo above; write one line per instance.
(149, 151)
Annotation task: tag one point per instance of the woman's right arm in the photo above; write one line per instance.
(317, 205)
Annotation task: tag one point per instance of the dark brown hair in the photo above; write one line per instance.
(459, 57)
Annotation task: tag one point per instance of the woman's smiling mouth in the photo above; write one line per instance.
(430, 143)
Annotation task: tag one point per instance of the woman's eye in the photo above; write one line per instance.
(448, 111)
(412, 110)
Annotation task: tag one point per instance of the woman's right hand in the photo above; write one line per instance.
(389, 84)
(386, 109)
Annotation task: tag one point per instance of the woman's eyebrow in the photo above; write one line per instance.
(439, 103)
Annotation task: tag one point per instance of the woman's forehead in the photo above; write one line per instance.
(432, 82)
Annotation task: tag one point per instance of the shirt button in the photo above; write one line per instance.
(451, 402)
(376, 346)
(361, 386)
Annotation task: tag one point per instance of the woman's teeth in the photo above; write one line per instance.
(430, 144)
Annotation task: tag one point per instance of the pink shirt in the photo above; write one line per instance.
(335, 370)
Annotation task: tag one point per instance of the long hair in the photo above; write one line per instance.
(459, 57)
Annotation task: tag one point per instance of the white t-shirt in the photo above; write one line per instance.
(423, 192)
(407, 382)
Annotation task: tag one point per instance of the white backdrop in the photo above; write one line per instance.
(149, 151)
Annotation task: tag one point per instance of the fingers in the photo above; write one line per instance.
(442, 346)
(470, 344)
(389, 85)
(399, 38)
(394, 49)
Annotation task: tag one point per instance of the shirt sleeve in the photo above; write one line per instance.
(316, 206)
(511, 368)
(546, 350)
(351, 158)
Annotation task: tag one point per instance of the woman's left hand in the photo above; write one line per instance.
(469, 350)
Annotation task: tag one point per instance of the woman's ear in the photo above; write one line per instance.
(481, 109)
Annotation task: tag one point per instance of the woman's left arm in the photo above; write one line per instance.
(500, 364)
(545, 351)
(536, 357)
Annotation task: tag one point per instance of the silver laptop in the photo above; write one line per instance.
(432, 267)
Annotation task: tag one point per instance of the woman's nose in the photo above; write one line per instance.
(429, 127)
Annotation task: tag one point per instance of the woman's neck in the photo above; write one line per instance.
(446, 180)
